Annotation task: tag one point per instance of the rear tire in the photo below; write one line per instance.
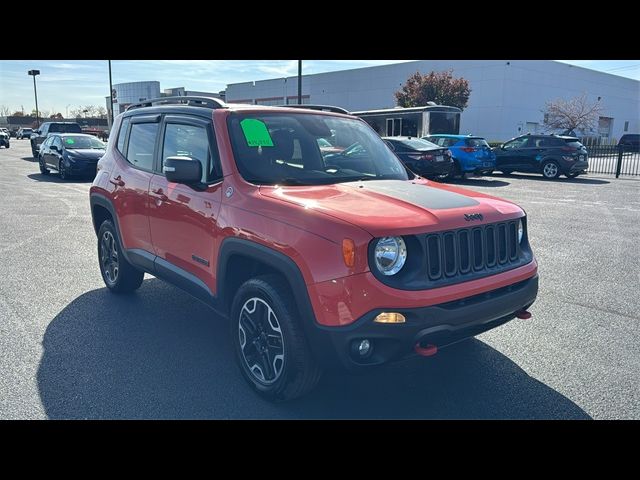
(550, 170)
(268, 340)
(117, 273)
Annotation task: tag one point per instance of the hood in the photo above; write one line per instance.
(397, 207)
(85, 153)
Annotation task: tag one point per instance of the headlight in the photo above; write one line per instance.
(390, 254)
(520, 231)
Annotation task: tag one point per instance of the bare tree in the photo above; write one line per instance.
(92, 111)
(578, 113)
(4, 111)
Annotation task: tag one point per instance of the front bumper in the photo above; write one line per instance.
(82, 168)
(439, 325)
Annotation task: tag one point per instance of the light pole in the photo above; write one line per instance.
(35, 92)
(66, 114)
(299, 82)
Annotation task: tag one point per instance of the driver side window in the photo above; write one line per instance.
(514, 144)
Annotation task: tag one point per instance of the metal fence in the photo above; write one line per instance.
(613, 159)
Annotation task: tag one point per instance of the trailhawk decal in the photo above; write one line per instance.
(419, 195)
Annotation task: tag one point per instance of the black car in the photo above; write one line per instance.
(70, 154)
(630, 142)
(421, 156)
(46, 128)
(550, 155)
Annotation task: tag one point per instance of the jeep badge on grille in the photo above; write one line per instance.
(472, 216)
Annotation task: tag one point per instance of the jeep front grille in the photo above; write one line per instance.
(464, 252)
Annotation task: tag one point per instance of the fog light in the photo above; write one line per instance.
(389, 317)
(364, 347)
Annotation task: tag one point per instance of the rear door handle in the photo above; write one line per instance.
(159, 194)
(117, 181)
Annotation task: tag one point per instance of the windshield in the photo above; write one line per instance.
(65, 128)
(284, 149)
(73, 143)
(573, 143)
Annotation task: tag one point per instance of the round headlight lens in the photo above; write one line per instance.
(520, 231)
(390, 255)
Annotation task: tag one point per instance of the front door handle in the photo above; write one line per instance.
(159, 194)
(118, 182)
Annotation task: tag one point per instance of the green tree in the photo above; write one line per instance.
(439, 87)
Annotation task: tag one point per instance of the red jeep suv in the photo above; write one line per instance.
(318, 259)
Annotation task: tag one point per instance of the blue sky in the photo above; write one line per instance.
(71, 83)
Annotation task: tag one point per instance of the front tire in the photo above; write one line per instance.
(62, 171)
(117, 273)
(550, 170)
(43, 169)
(269, 343)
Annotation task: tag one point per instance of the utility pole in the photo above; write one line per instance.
(35, 92)
(110, 97)
(299, 82)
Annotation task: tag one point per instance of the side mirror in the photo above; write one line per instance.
(37, 131)
(502, 146)
(54, 148)
(182, 170)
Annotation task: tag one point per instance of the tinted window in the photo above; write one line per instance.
(275, 148)
(188, 141)
(122, 133)
(517, 143)
(142, 141)
(476, 142)
(65, 128)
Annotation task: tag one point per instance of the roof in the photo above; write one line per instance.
(400, 110)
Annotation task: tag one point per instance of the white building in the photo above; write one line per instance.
(507, 96)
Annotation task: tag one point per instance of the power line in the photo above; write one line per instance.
(623, 68)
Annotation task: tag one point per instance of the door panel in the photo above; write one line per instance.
(184, 220)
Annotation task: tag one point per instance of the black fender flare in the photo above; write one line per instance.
(103, 201)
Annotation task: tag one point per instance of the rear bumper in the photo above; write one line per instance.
(439, 325)
(427, 168)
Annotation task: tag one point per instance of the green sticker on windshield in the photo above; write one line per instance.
(256, 133)
(69, 141)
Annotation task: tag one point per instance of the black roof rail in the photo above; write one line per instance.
(324, 108)
(206, 102)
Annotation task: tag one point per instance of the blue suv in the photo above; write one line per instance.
(470, 154)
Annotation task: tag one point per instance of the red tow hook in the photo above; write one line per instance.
(428, 351)
(523, 314)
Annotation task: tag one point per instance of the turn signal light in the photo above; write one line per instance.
(390, 317)
(349, 252)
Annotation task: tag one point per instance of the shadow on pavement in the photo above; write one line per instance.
(478, 182)
(54, 178)
(159, 353)
(30, 159)
(540, 178)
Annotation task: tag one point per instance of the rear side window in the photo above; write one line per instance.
(65, 128)
(122, 133)
(142, 140)
(476, 142)
(189, 141)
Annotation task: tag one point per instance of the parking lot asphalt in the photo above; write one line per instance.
(71, 349)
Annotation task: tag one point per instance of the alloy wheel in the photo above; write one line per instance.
(261, 341)
(109, 257)
(550, 170)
